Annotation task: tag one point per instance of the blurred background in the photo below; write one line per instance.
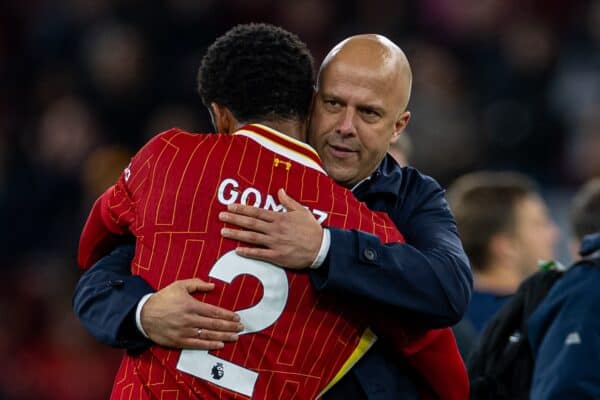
(498, 84)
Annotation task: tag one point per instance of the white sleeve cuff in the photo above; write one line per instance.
(322, 254)
(138, 314)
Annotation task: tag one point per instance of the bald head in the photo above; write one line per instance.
(360, 106)
(374, 55)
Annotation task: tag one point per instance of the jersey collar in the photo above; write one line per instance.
(282, 144)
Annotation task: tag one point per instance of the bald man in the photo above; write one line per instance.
(363, 90)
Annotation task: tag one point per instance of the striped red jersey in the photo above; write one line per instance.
(296, 342)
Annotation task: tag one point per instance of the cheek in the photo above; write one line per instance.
(375, 143)
(314, 136)
(317, 140)
(318, 129)
(539, 240)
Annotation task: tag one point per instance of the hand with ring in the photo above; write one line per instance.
(172, 317)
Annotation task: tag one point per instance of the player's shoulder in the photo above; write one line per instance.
(179, 137)
(181, 134)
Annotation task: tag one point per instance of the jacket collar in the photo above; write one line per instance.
(590, 244)
(386, 179)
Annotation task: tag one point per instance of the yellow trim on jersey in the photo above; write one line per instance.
(288, 138)
(367, 340)
(281, 149)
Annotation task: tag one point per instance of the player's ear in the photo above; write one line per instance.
(223, 119)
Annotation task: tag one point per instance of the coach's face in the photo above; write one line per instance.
(359, 107)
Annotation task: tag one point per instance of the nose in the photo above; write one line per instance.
(346, 126)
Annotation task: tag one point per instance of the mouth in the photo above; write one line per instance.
(341, 151)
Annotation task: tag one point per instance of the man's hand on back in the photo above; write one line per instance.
(289, 239)
(172, 317)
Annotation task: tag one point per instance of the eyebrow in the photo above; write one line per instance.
(364, 106)
(370, 107)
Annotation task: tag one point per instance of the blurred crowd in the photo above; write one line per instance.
(498, 84)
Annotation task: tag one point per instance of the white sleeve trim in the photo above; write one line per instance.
(138, 314)
(322, 254)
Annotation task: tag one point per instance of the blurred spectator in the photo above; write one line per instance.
(118, 70)
(101, 169)
(179, 115)
(441, 115)
(506, 231)
(564, 331)
(66, 134)
(584, 159)
(465, 19)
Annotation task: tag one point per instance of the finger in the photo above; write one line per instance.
(213, 324)
(214, 312)
(254, 212)
(200, 344)
(250, 223)
(215, 336)
(268, 255)
(249, 237)
(196, 284)
(287, 201)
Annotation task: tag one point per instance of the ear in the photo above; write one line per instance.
(502, 246)
(400, 125)
(223, 119)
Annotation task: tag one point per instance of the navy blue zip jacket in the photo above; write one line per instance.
(426, 281)
(564, 333)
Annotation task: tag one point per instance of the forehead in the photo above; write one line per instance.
(356, 80)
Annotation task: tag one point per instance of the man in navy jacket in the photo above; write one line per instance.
(564, 331)
(426, 282)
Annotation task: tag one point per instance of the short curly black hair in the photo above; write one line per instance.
(260, 72)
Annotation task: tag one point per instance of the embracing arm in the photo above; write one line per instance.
(107, 295)
(428, 278)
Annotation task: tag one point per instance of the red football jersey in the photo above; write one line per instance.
(295, 342)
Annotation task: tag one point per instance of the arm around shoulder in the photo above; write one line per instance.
(428, 278)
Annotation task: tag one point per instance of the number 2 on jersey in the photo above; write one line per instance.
(263, 314)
